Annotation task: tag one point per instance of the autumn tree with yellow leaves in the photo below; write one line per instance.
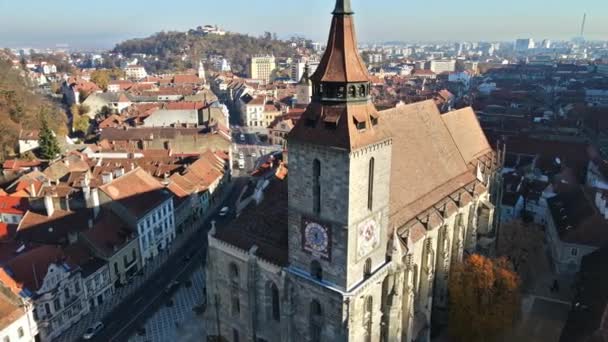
(484, 299)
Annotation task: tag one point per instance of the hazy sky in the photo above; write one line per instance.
(105, 22)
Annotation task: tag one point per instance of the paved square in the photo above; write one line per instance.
(177, 323)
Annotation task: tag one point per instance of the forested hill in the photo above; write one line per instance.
(21, 108)
(170, 47)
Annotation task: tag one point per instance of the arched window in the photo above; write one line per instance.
(315, 270)
(341, 92)
(352, 91)
(367, 268)
(362, 91)
(234, 274)
(236, 303)
(276, 305)
(370, 185)
(316, 186)
(316, 321)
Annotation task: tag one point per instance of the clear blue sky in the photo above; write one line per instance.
(105, 22)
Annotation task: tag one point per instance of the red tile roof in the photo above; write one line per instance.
(186, 79)
(30, 268)
(13, 205)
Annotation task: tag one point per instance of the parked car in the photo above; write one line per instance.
(172, 286)
(92, 331)
(242, 137)
(224, 211)
(254, 154)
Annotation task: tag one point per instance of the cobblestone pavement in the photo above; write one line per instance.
(170, 322)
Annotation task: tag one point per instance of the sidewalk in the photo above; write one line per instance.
(76, 331)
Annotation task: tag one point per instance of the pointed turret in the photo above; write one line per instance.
(201, 71)
(304, 88)
(305, 80)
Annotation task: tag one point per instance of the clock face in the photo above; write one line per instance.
(316, 238)
(368, 237)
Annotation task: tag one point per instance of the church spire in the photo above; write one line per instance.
(305, 80)
(341, 61)
(343, 7)
(341, 113)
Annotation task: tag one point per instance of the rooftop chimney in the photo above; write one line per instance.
(119, 172)
(107, 177)
(95, 202)
(49, 206)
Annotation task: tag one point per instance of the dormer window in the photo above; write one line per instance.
(374, 120)
(360, 126)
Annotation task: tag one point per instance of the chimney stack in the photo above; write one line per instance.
(119, 172)
(49, 205)
(95, 202)
(107, 177)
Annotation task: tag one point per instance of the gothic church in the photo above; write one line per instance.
(355, 241)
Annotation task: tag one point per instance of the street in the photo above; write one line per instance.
(131, 315)
(247, 142)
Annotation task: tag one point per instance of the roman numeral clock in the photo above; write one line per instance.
(316, 238)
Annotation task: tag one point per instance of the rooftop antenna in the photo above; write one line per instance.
(583, 25)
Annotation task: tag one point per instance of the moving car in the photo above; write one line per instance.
(254, 154)
(224, 211)
(241, 163)
(92, 331)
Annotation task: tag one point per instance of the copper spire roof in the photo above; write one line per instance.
(341, 114)
(341, 61)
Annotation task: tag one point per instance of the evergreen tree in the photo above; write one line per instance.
(49, 147)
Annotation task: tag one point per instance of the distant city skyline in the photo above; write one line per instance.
(38, 23)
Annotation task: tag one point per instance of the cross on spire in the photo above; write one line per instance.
(343, 7)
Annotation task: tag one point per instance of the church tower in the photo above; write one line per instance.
(339, 182)
(304, 88)
(201, 71)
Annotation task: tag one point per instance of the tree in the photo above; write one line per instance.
(49, 147)
(101, 78)
(82, 124)
(484, 299)
(522, 244)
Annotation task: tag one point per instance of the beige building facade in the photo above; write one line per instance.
(261, 67)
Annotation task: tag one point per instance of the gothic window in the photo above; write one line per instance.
(362, 91)
(367, 268)
(341, 92)
(234, 274)
(316, 321)
(315, 270)
(352, 91)
(276, 305)
(236, 303)
(370, 185)
(316, 185)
